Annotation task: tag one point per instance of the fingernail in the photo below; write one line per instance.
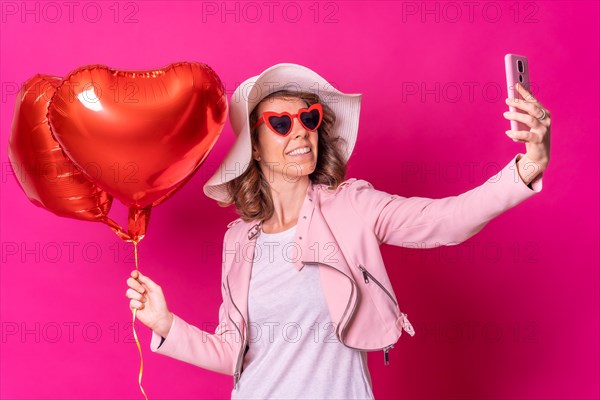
(506, 113)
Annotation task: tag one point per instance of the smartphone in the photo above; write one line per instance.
(517, 70)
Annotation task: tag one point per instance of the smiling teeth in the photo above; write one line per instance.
(299, 151)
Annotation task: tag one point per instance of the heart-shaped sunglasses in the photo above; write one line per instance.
(281, 123)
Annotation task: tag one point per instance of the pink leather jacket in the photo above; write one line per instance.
(341, 230)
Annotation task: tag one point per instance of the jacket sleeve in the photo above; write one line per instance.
(211, 351)
(421, 222)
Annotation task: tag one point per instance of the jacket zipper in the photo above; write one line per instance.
(386, 348)
(406, 325)
(386, 357)
(237, 373)
(367, 274)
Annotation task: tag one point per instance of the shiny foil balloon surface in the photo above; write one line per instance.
(139, 135)
(48, 177)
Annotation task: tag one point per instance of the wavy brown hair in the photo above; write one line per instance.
(250, 191)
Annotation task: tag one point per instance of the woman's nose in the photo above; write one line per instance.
(298, 129)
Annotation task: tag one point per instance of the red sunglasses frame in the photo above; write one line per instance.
(267, 114)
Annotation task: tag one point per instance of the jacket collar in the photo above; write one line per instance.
(253, 228)
(239, 273)
(313, 248)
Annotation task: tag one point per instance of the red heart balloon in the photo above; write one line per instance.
(48, 178)
(139, 135)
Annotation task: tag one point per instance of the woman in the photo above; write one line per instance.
(303, 306)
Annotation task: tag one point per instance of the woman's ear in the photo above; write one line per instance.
(255, 154)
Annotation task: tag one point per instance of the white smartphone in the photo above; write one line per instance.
(517, 70)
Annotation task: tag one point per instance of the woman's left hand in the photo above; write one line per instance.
(537, 139)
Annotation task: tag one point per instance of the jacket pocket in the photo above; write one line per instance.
(368, 278)
(402, 318)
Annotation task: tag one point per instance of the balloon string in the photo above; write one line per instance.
(134, 333)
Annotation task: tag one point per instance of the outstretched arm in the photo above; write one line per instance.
(426, 222)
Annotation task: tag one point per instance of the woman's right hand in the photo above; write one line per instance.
(147, 297)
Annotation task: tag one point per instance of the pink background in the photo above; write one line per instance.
(511, 313)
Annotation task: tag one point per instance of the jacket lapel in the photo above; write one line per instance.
(316, 245)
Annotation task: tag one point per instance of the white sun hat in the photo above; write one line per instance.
(248, 94)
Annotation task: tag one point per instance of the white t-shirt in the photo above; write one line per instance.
(294, 353)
